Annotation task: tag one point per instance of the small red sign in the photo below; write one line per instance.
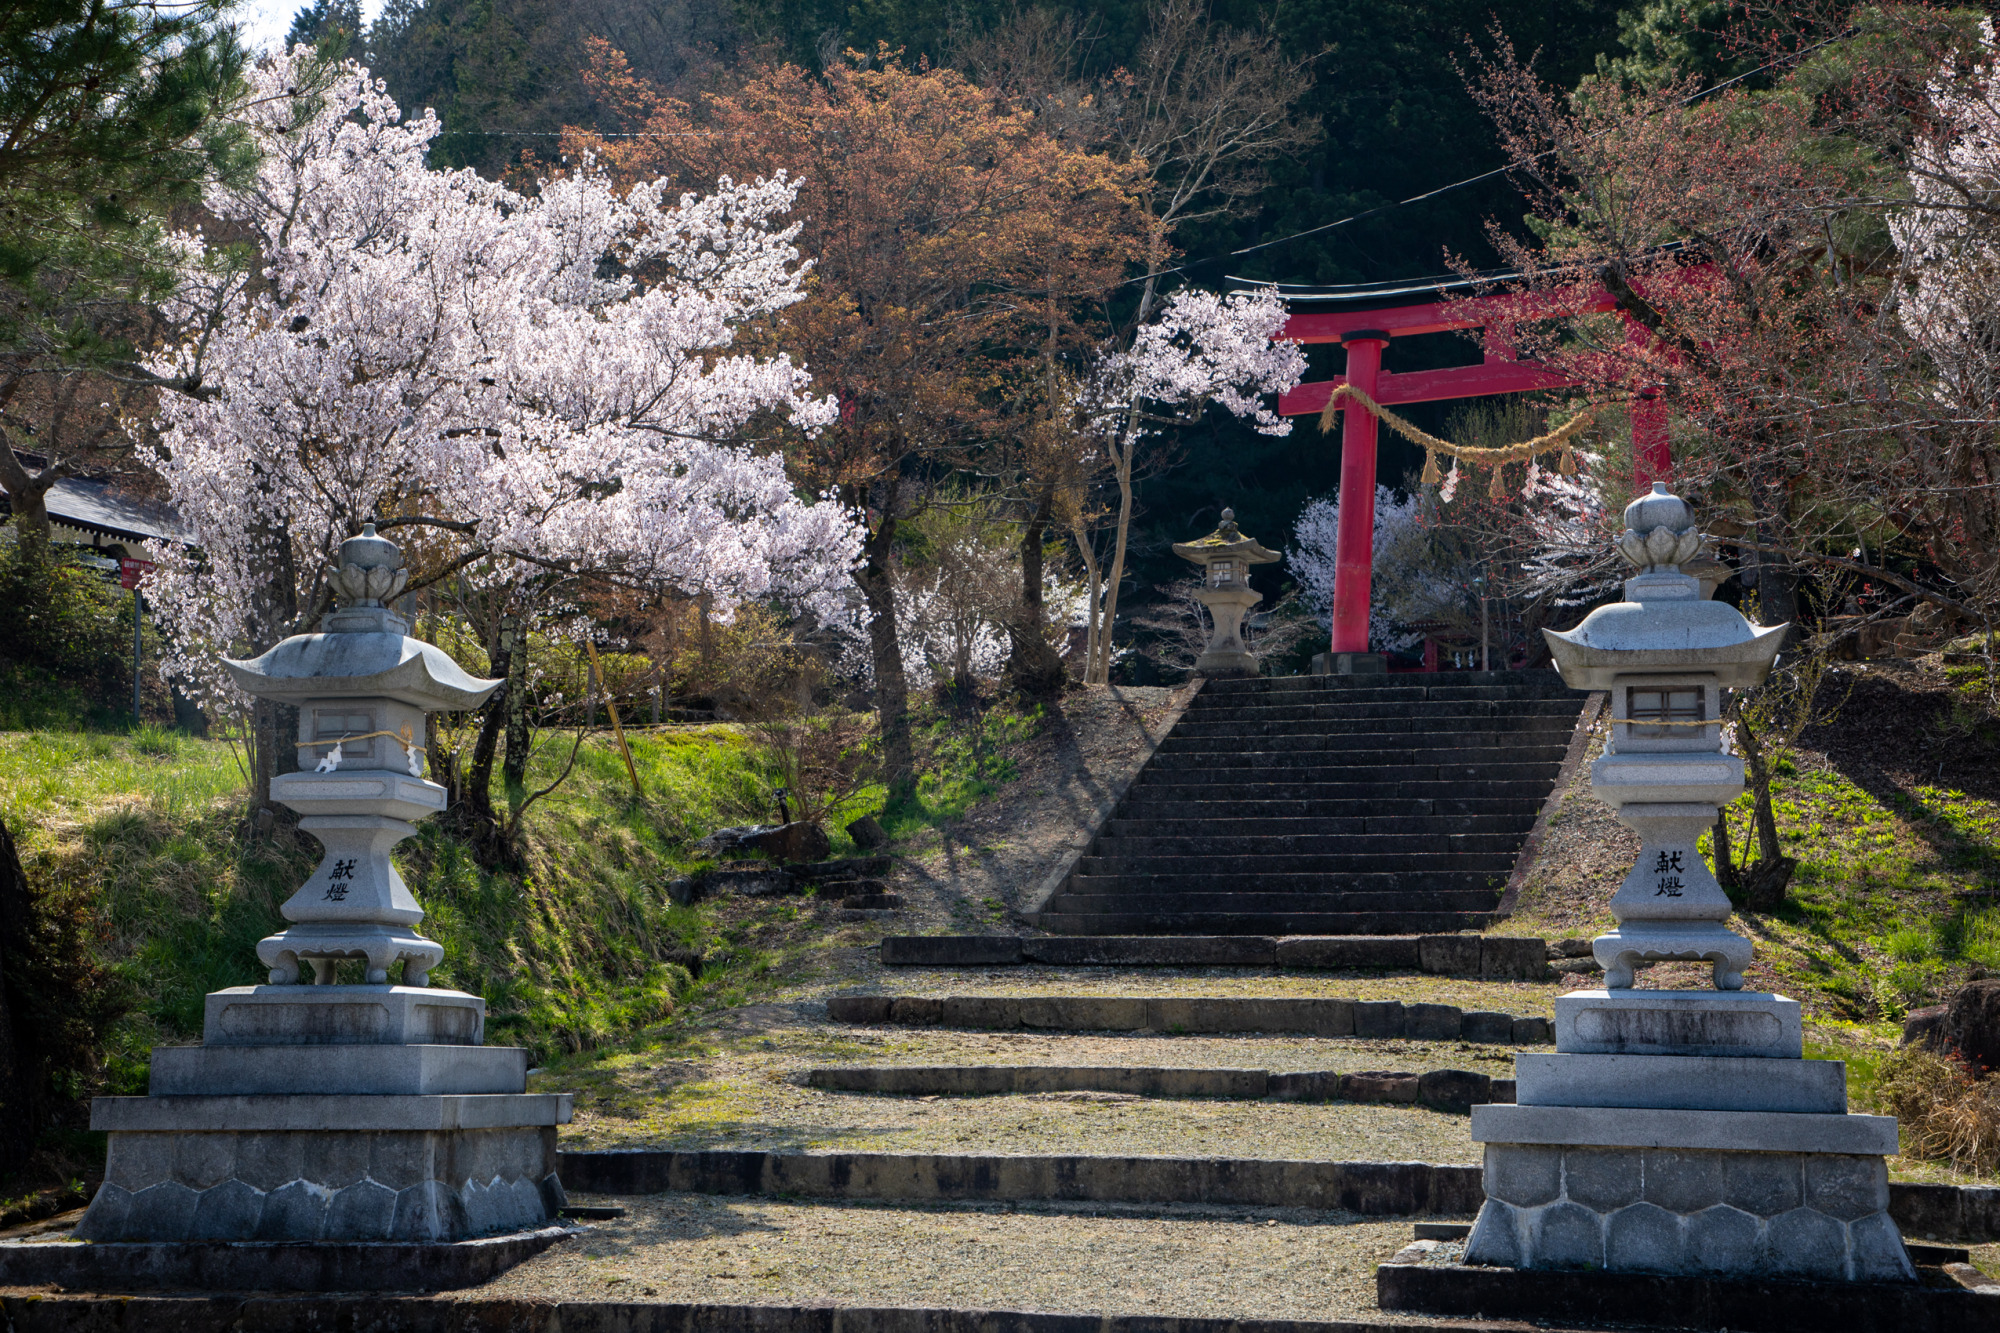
(131, 571)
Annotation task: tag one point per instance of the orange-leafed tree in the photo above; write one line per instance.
(955, 245)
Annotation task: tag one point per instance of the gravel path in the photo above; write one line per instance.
(1175, 1261)
(1522, 998)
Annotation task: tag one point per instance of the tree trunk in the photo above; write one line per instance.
(514, 770)
(27, 497)
(1092, 609)
(892, 688)
(1764, 880)
(1116, 574)
(1034, 667)
(1725, 864)
(18, 1109)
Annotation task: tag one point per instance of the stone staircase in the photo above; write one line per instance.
(1327, 805)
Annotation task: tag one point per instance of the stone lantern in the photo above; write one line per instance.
(320, 1111)
(1225, 557)
(1678, 1131)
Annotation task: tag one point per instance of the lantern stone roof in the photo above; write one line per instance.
(1225, 542)
(385, 665)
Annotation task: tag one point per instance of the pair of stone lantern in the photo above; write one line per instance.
(1678, 1131)
(321, 1111)
(1225, 557)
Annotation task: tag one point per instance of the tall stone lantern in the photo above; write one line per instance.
(1225, 557)
(320, 1111)
(1678, 1131)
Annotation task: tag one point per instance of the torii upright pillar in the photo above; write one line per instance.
(1354, 539)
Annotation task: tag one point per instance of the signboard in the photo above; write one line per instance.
(131, 571)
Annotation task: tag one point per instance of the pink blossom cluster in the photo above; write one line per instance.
(1201, 348)
(550, 372)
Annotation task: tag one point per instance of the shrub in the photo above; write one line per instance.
(1946, 1114)
(66, 642)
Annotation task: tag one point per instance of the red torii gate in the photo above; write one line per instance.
(1363, 320)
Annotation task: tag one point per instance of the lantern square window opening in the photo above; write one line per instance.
(1663, 712)
(1221, 573)
(335, 723)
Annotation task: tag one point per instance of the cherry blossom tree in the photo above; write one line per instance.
(1312, 561)
(531, 383)
(1200, 348)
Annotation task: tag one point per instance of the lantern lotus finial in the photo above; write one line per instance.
(1660, 532)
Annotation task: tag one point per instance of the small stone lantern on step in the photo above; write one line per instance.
(1225, 557)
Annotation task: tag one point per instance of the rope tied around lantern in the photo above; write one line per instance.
(330, 762)
(1557, 439)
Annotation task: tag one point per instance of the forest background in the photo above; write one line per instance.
(1386, 92)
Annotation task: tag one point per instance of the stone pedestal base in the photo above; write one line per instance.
(325, 1168)
(342, 1015)
(1688, 1210)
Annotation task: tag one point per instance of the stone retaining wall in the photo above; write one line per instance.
(1490, 957)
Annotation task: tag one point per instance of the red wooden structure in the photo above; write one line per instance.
(1364, 320)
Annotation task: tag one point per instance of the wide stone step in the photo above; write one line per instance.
(1205, 710)
(1249, 844)
(1203, 785)
(1317, 1016)
(1394, 721)
(1308, 753)
(1266, 923)
(1145, 804)
(1490, 957)
(1210, 769)
(1301, 881)
(1373, 1189)
(1127, 903)
(1452, 1090)
(1204, 825)
(1377, 746)
(1245, 868)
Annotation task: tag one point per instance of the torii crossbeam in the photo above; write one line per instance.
(1363, 320)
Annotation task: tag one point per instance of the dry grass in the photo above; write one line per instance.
(1946, 1114)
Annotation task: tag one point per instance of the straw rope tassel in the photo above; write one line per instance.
(1557, 439)
(1431, 475)
(1498, 490)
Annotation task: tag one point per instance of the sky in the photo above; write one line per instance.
(265, 22)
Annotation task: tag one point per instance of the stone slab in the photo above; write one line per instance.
(195, 1114)
(1969, 1214)
(978, 1080)
(271, 1266)
(1597, 1299)
(1373, 1189)
(1150, 950)
(1682, 1082)
(951, 950)
(69, 1313)
(1388, 952)
(1740, 1131)
(329, 1070)
(1651, 1022)
(342, 1015)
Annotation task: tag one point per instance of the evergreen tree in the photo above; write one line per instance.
(330, 25)
(112, 115)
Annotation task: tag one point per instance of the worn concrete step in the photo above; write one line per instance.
(1331, 785)
(1313, 1015)
(1262, 844)
(1148, 804)
(1327, 767)
(1440, 1089)
(1310, 881)
(1240, 900)
(1265, 923)
(1490, 957)
(1386, 719)
(1373, 1189)
(1240, 867)
(1381, 747)
(1514, 826)
(1385, 765)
